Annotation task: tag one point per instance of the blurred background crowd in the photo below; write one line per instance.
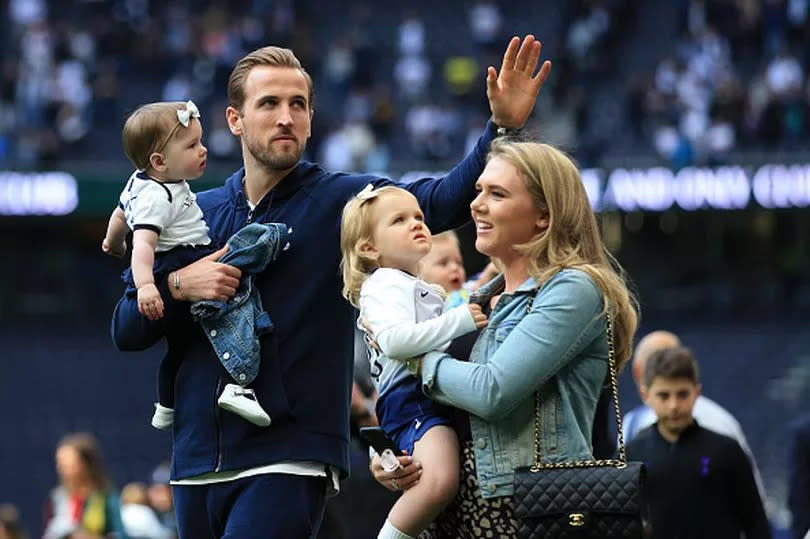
(672, 84)
(687, 81)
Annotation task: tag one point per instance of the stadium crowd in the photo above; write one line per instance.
(396, 90)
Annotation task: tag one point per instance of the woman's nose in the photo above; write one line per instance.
(475, 204)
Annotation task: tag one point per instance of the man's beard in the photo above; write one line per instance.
(270, 159)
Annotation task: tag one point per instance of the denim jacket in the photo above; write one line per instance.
(559, 349)
(233, 327)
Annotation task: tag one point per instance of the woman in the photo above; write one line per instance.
(83, 506)
(546, 334)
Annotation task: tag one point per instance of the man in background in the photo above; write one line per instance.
(708, 413)
(699, 483)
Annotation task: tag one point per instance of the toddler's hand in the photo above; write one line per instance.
(117, 251)
(149, 302)
(478, 316)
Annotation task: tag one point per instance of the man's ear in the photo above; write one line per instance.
(698, 389)
(234, 120)
(157, 162)
(644, 392)
(311, 115)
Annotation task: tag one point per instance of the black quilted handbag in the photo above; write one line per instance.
(591, 499)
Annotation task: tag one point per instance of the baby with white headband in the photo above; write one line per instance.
(164, 142)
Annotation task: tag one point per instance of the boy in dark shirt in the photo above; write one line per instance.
(699, 483)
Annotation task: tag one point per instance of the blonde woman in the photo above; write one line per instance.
(546, 334)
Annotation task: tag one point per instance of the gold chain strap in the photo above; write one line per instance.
(621, 462)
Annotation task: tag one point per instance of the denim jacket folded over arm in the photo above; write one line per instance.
(563, 319)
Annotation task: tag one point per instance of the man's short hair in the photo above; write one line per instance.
(676, 362)
(265, 56)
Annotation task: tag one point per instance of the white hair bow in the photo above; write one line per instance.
(191, 111)
(367, 193)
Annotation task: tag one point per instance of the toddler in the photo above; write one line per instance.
(383, 239)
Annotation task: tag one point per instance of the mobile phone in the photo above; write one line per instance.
(379, 440)
(384, 446)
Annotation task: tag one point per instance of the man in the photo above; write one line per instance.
(699, 483)
(230, 478)
(709, 414)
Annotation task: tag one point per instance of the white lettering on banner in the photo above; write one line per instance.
(691, 188)
(592, 180)
(38, 193)
(638, 189)
(780, 186)
(652, 189)
(724, 188)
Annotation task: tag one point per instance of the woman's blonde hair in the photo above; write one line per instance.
(572, 239)
(357, 228)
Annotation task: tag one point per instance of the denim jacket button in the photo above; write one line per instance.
(213, 333)
(482, 443)
(226, 355)
(242, 377)
(492, 488)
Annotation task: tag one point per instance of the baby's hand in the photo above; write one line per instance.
(117, 251)
(149, 302)
(478, 316)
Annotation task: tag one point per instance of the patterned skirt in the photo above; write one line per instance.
(469, 516)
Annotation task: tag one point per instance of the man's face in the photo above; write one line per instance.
(276, 117)
(672, 400)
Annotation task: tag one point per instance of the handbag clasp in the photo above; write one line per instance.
(576, 520)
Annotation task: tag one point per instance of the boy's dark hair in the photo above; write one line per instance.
(678, 362)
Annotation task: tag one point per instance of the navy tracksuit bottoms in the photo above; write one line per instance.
(269, 506)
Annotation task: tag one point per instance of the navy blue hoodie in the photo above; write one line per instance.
(305, 377)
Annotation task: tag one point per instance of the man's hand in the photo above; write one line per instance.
(150, 303)
(207, 279)
(513, 92)
(478, 315)
(118, 251)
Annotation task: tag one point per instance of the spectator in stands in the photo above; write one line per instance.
(139, 519)
(547, 334)
(160, 496)
(10, 523)
(291, 466)
(699, 483)
(785, 111)
(486, 21)
(708, 413)
(799, 477)
(84, 503)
